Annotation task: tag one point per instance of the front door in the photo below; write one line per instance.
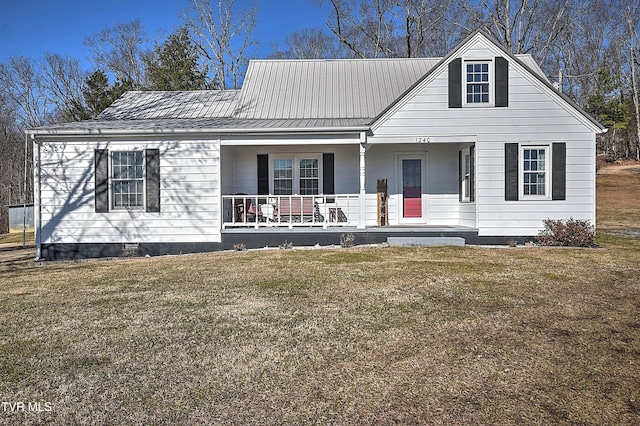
(411, 181)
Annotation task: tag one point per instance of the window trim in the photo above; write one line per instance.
(491, 82)
(295, 158)
(112, 180)
(547, 171)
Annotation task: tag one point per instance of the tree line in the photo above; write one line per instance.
(589, 48)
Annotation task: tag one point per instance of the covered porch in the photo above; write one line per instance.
(346, 183)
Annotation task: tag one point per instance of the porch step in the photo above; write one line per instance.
(425, 241)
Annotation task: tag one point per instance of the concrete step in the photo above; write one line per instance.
(425, 241)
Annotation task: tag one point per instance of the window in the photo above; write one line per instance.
(309, 174)
(535, 172)
(466, 171)
(465, 174)
(283, 176)
(127, 180)
(534, 169)
(477, 82)
(297, 174)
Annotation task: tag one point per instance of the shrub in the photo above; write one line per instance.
(347, 240)
(239, 247)
(569, 233)
(286, 245)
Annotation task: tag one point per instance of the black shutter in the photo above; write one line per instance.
(328, 174)
(472, 173)
(102, 181)
(153, 179)
(559, 171)
(455, 83)
(511, 172)
(502, 82)
(460, 175)
(263, 174)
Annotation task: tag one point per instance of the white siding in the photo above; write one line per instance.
(189, 195)
(534, 115)
(346, 164)
(440, 195)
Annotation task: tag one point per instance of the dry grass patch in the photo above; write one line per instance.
(618, 189)
(359, 336)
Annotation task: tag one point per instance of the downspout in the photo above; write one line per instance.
(363, 192)
(36, 198)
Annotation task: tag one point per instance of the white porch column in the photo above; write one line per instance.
(363, 192)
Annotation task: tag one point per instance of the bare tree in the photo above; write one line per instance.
(223, 35)
(522, 26)
(120, 50)
(310, 43)
(631, 14)
(20, 85)
(63, 82)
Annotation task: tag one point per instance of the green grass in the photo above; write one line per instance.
(359, 336)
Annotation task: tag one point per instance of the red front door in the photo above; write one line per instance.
(412, 188)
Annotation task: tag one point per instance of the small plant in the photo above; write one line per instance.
(347, 240)
(512, 243)
(569, 233)
(286, 245)
(239, 247)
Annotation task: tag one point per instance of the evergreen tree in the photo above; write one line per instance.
(174, 65)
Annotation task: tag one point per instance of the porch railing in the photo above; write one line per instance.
(290, 210)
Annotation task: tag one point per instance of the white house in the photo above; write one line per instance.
(477, 145)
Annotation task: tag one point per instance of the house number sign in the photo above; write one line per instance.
(423, 140)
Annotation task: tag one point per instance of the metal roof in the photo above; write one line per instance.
(342, 88)
(139, 105)
(278, 95)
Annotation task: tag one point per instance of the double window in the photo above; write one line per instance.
(298, 174)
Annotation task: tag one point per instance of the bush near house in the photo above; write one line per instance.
(569, 233)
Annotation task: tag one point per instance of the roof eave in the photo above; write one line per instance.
(196, 131)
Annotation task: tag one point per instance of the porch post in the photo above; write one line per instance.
(363, 192)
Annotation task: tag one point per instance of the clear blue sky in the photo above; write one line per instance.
(32, 27)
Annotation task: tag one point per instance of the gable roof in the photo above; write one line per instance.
(525, 61)
(342, 88)
(288, 95)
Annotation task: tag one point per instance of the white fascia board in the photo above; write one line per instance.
(208, 132)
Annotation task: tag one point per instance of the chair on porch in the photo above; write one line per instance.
(247, 210)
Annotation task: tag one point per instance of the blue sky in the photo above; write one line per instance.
(32, 27)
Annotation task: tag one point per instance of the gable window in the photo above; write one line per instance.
(477, 83)
(296, 175)
(534, 171)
